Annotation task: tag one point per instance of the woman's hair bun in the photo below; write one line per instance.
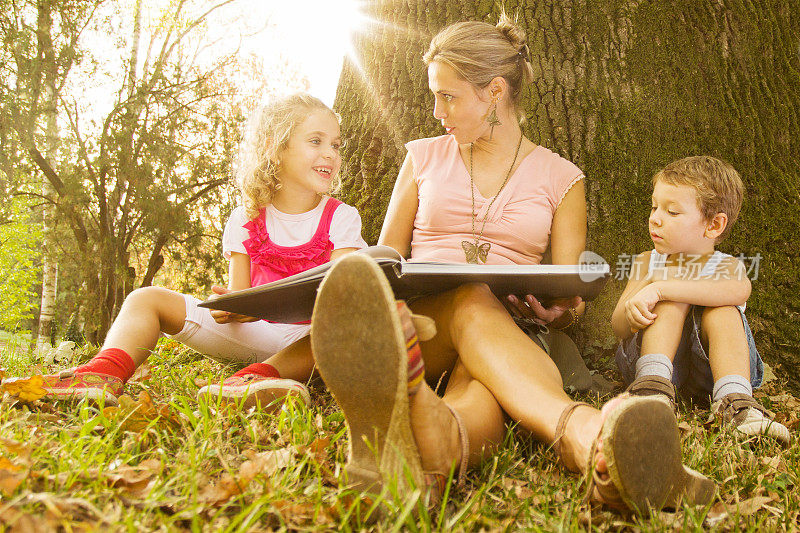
(513, 32)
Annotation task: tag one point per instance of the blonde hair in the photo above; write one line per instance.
(719, 187)
(480, 52)
(266, 134)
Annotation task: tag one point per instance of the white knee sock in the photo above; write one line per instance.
(654, 364)
(730, 384)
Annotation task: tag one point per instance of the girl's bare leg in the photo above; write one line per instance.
(145, 314)
(295, 361)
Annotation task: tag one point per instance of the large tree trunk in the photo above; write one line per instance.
(621, 88)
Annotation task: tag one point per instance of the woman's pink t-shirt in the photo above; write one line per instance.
(518, 225)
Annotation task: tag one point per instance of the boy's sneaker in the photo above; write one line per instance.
(748, 417)
(654, 387)
(67, 385)
(255, 389)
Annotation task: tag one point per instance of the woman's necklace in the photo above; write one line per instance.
(474, 252)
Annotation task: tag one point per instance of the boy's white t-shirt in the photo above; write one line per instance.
(287, 229)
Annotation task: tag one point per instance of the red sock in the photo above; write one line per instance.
(110, 361)
(260, 369)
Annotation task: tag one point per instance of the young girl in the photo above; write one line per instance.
(289, 160)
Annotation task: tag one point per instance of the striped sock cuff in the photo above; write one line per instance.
(416, 366)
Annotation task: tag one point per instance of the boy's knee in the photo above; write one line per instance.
(720, 317)
(668, 310)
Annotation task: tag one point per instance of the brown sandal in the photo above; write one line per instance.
(359, 344)
(437, 481)
(641, 446)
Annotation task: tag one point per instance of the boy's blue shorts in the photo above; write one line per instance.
(691, 369)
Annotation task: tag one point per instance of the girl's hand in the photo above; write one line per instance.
(224, 317)
(531, 309)
(639, 307)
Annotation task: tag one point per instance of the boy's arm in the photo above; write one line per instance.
(729, 286)
(637, 279)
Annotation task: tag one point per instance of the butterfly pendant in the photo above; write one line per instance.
(474, 252)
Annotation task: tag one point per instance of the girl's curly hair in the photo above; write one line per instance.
(266, 134)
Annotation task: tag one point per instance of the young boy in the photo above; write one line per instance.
(681, 317)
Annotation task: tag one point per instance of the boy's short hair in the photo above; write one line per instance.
(719, 187)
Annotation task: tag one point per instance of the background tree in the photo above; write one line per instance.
(144, 174)
(621, 88)
(36, 60)
(20, 238)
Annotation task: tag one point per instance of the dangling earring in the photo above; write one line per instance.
(492, 118)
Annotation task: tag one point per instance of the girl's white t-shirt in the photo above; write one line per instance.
(287, 229)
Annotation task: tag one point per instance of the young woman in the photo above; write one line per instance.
(482, 193)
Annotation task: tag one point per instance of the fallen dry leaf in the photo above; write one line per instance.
(269, 463)
(62, 505)
(137, 415)
(227, 486)
(752, 505)
(25, 389)
(138, 480)
(19, 522)
(521, 489)
(717, 514)
(11, 476)
(21, 450)
(318, 449)
(301, 513)
(220, 492)
(143, 373)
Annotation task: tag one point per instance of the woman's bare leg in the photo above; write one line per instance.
(145, 314)
(474, 327)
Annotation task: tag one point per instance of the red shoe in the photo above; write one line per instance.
(254, 389)
(67, 385)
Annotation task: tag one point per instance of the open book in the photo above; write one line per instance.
(292, 299)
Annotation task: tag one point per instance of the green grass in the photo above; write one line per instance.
(217, 469)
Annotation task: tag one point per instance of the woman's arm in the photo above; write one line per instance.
(568, 232)
(567, 242)
(568, 239)
(398, 226)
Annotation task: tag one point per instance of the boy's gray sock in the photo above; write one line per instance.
(730, 384)
(654, 364)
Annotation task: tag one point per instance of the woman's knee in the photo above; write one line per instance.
(472, 301)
